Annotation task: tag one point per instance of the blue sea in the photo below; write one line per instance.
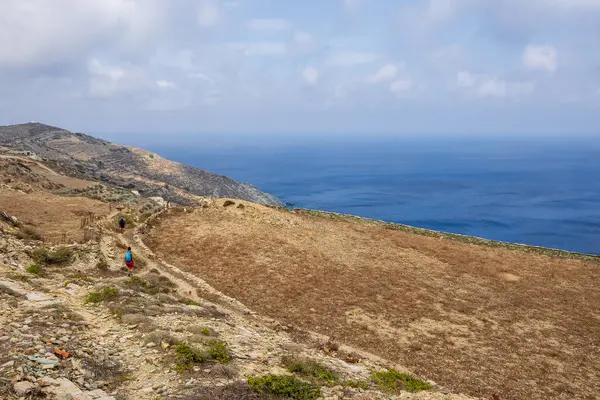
(542, 192)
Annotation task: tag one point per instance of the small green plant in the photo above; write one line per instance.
(284, 386)
(364, 385)
(310, 369)
(103, 294)
(151, 155)
(393, 381)
(218, 351)
(187, 356)
(34, 269)
(205, 331)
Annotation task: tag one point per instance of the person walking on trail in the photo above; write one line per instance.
(129, 261)
(122, 223)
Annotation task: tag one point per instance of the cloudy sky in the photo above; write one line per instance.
(311, 66)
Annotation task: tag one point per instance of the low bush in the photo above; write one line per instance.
(393, 381)
(218, 351)
(187, 356)
(310, 369)
(284, 386)
(60, 256)
(103, 294)
(34, 269)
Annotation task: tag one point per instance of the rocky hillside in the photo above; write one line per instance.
(73, 325)
(82, 156)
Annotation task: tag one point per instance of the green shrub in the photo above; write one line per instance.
(393, 381)
(34, 269)
(218, 351)
(103, 294)
(187, 356)
(62, 255)
(364, 385)
(310, 369)
(284, 386)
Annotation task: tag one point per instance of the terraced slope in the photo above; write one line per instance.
(83, 156)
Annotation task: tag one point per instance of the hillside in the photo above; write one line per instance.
(232, 299)
(489, 319)
(73, 325)
(82, 156)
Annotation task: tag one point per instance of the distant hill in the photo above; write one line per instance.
(83, 156)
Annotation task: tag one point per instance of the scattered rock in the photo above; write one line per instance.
(24, 388)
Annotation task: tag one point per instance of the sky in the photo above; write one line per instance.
(396, 67)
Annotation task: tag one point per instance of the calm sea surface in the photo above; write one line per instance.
(513, 190)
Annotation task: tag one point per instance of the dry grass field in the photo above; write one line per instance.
(491, 322)
(57, 218)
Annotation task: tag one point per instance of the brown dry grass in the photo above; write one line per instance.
(481, 320)
(52, 215)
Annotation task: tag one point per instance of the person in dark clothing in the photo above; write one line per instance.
(122, 223)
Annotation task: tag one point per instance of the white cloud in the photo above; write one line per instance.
(107, 81)
(310, 76)
(540, 58)
(208, 13)
(350, 58)
(491, 86)
(269, 24)
(162, 84)
(260, 48)
(43, 32)
(401, 86)
(385, 73)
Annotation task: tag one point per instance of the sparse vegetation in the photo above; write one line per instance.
(233, 391)
(102, 265)
(60, 256)
(218, 351)
(228, 203)
(187, 356)
(29, 233)
(134, 319)
(310, 369)
(189, 302)
(103, 294)
(284, 386)
(393, 381)
(364, 385)
(34, 269)
(161, 337)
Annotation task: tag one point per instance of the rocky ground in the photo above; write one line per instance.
(73, 325)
